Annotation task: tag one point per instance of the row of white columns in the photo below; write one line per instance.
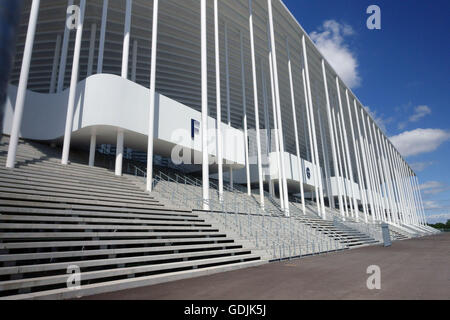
(388, 188)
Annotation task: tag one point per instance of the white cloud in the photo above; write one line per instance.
(433, 187)
(330, 40)
(431, 205)
(411, 143)
(420, 166)
(419, 113)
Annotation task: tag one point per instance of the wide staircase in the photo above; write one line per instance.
(56, 220)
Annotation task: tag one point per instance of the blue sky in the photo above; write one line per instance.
(401, 72)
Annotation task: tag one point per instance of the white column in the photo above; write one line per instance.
(244, 115)
(92, 148)
(23, 84)
(376, 164)
(387, 177)
(126, 39)
(119, 152)
(218, 100)
(396, 184)
(356, 155)
(278, 104)
(91, 49)
(204, 125)
(101, 46)
(413, 195)
(391, 179)
(347, 198)
(294, 118)
(424, 219)
(125, 59)
(55, 64)
(64, 50)
(256, 102)
(266, 109)
(73, 85)
(134, 61)
(227, 81)
(382, 173)
(275, 120)
(357, 159)
(404, 215)
(313, 124)
(326, 166)
(347, 155)
(333, 145)
(151, 111)
(372, 171)
(364, 164)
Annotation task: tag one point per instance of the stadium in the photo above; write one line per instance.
(149, 141)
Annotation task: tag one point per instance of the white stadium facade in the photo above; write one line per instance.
(232, 92)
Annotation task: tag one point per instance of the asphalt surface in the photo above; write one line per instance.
(410, 269)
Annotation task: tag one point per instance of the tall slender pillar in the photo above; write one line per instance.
(391, 178)
(90, 65)
(275, 120)
(23, 84)
(89, 73)
(356, 154)
(376, 165)
(101, 45)
(313, 125)
(64, 50)
(294, 117)
(227, 81)
(256, 102)
(204, 86)
(119, 152)
(347, 155)
(383, 179)
(387, 178)
(151, 111)
(244, 114)
(125, 59)
(55, 64)
(126, 39)
(73, 85)
(364, 164)
(218, 100)
(333, 144)
(345, 173)
(278, 104)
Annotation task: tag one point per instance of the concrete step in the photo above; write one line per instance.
(94, 243)
(68, 219)
(110, 273)
(65, 171)
(87, 193)
(49, 175)
(25, 160)
(114, 252)
(30, 191)
(8, 178)
(150, 215)
(98, 235)
(115, 227)
(62, 266)
(123, 284)
(73, 200)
